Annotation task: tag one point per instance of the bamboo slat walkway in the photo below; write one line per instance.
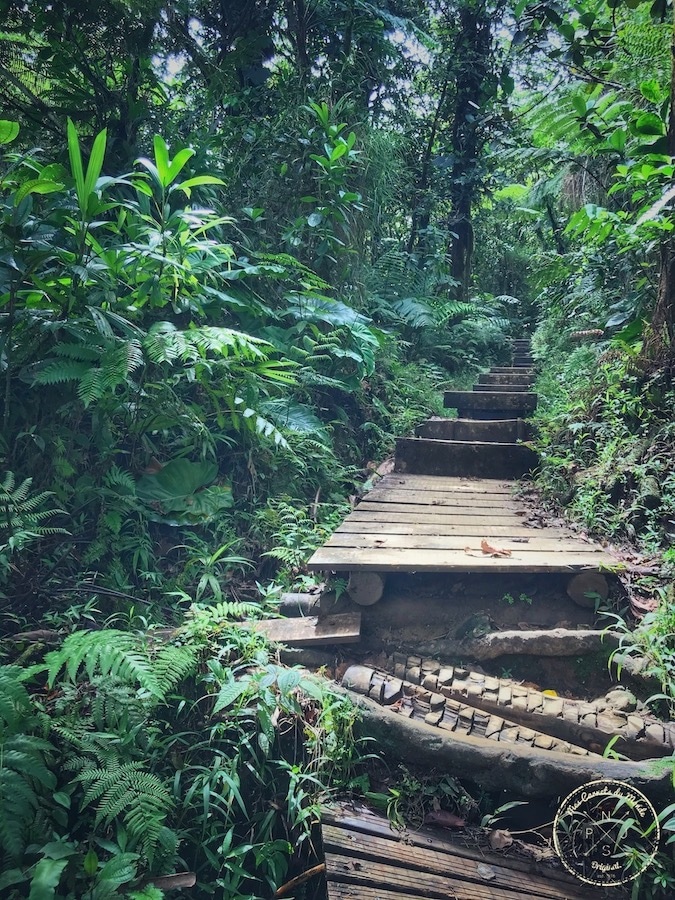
(422, 523)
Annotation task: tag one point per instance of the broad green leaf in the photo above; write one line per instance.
(90, 863)
(46, 878)
(36, 186)
(294, 416)
(649, 123)
(162, 159)
(579, 104)
(197, 180)
(651, 90)
(75, 157)
(95, 164)
(178, 479)
(228, 694)
(288, 680)
(338, 152)
(179, 162)
(8, 131)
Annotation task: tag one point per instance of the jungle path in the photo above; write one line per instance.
(436, 553)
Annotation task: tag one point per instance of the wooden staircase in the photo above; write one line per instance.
(486, 439)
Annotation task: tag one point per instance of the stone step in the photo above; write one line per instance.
(521, 344)
(502, 388)
(469, 459)
(511, 370)
(491, 404)
(523, 360)
(505, 378)
(505, 431)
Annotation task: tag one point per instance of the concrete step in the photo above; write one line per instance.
(511, 370)
(423, 456)
(521, 344)
(501, 388)
(505, 378)
(523, 360)
(504, 431)
(491, 404)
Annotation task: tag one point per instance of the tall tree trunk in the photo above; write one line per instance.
(473, 48)
(662, 342)
(421, 211)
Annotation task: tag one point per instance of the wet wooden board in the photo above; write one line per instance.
(422, 524)
(366, 860)
(344, 628)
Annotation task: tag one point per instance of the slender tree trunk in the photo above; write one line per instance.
(473, 48)
(662, 339)
(421, 213)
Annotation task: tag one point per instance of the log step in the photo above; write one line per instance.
(424, 456)
(503, 431)
(343, 628)
(516, 713)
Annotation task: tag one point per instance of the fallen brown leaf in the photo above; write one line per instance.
(500, 839)
(444, 819)
(489, 550)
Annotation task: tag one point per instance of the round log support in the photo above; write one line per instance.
(365, 588)
(585, 587)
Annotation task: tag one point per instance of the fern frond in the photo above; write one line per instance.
(60, 371)
(25, 777)
(139, 797)
(109, 652)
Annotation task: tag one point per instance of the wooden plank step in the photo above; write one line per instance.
(373, 524)
(379, 540)
(502, 388)
(382, 877)
(391, 512)
(505, 378)
(442, 509)
(502, 431)
(552, 880)
(343, 559)
(438, 483)
(515, 402)
(342, 628)
(393, 493)
(437, 457)
(366, 846)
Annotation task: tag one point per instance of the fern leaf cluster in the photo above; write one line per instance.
(99, 368)
(25, 777)
(139, 797)
(124, 656)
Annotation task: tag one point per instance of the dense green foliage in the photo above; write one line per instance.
(126, 756)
